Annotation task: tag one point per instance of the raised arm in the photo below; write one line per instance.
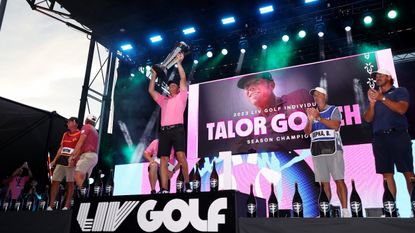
(151, 86)
(182, 74)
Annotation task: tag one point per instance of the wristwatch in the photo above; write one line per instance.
(383, 99)
(318, 118)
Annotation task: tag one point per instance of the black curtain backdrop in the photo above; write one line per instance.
(28, 134)
(406, 78)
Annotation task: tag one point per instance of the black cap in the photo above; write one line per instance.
(172, 81)
(243, 80)
(73, 119)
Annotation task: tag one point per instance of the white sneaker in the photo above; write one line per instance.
(65, 208)
(346, 213)
(49, 208)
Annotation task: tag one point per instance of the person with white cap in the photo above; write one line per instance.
(323, 126)
(85, 154)
(391, 141)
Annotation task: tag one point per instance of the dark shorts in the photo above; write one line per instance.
(393, 148)
(171, 137)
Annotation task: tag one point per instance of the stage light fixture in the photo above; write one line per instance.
(195, 61)
(320, 34)
(264, 46)
(285, 38)
(189, 31)
(209, 54)
(224, 51)
(243, 43)
(266, 9)
(347, 28)
(368, 20)
(310, 1)
(126, 47)
(228, 20)
(156, 38)
(302, 34)
(392, 14)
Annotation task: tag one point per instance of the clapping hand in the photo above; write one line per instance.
(309, 112)
(374, 95)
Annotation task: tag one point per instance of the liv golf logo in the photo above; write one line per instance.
(110, 215)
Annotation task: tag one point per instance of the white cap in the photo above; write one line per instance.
(91, 117)
(383, 71)
(319, 89)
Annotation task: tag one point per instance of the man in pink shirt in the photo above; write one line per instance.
(153, 167)
(85, 155)
(172, 130)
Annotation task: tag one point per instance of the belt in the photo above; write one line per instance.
(389, 131)
(169, 127)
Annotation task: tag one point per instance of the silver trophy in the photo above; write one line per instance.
(162, 68)
(372, 76)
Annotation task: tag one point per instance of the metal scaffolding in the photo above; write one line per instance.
(106, 66)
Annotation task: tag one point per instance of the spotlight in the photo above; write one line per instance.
(126, 47)
(347, 28)
(195, 62)
(392, 14)
(368, 20)
(188, 31)
(310, 1)
(132, 75)
(156, 38)
(243, 51)
(302, 34)
(266, 9)
(224, 51)
(285, 38)
(209, 54)
(228, 20)
(264, 46)
(320, 27)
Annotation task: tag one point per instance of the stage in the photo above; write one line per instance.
(59, 221)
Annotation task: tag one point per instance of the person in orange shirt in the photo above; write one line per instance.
(63, 168)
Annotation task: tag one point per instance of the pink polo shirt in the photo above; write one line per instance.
(153, 149)
(91, 141)
(172, 108)
(17, 184)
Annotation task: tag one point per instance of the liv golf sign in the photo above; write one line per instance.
(202, 212)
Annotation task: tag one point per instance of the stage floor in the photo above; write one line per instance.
(329, 225)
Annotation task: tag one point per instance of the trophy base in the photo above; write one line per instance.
(161, 71)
